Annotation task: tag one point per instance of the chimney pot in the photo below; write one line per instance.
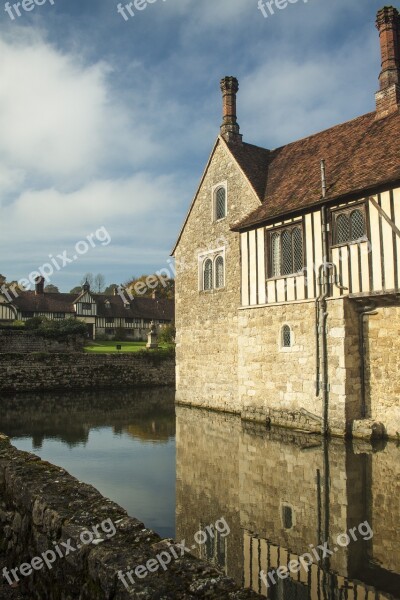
(230, 130)
(388, 97)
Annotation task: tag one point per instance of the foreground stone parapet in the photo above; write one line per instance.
(42, 507)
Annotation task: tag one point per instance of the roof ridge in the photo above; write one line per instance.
(309, 137)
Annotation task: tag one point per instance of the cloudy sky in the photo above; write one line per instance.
(108, 123)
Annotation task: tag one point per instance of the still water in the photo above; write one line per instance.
(281, 493)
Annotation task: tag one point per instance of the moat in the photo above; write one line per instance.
(282, 493)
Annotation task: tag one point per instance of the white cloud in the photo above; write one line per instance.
(59, 119)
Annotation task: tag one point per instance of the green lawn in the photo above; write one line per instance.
(107, 347)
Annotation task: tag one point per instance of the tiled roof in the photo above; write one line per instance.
(360, 155)
(47, 302)
(253, 160)
(140, 308)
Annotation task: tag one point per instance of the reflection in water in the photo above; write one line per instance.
(284, 493)
(121, 442)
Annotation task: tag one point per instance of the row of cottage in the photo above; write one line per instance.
(296, 301)
(103, 314)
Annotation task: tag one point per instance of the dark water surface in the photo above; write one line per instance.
(123, 443)
(280, 493)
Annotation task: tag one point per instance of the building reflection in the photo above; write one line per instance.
(283, 494)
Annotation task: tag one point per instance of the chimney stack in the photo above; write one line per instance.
(388, 25)
(230, 130)
(39, 286)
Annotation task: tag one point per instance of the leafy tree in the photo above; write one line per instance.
(110, 289)
(51, 289)
(76, 290)
(146, 285)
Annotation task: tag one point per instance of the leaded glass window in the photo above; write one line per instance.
(297, 240)
(220, 203)
(286, 336)
(286, 252)
(342, 229)
(208, 274)
(219, 272)
(350, 226)
(357, 225)
(276, 254)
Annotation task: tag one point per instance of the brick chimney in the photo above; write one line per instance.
(388, 25)
(230, 130)
(39, 286)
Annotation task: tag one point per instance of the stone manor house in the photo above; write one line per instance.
(290, 313)
(103, 314)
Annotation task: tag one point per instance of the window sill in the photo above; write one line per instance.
(213, 291)
(352, 243)
(291, 276)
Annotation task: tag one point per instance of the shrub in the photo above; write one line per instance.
(57, 330)
(167, 334)
(120, 334)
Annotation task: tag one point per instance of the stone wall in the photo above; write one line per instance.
(382, 376)
(207, 321)
(24, 342)
(278, 384)
(42, 507)
(34, 372)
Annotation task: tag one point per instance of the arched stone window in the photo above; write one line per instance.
(219, 272)
(286, 337)
(208, 274)
(220, 203)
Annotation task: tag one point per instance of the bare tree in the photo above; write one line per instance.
(88, 277)
(99, 283)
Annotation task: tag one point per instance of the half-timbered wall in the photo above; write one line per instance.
(6, 313)
(370, 264)
(86, 306)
